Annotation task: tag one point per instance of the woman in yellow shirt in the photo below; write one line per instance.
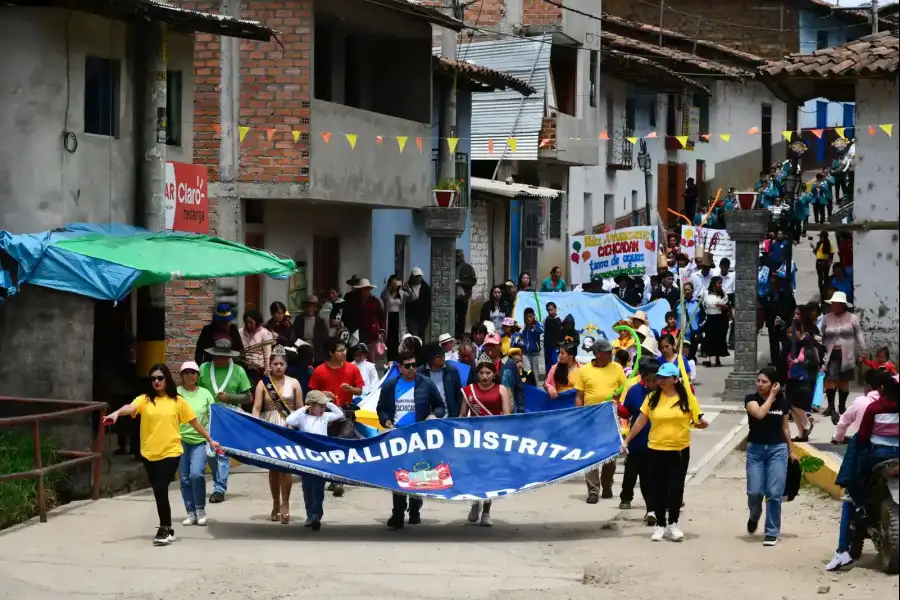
(561, 376)
(162, 413)
(671, 412)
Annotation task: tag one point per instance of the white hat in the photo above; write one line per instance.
(646, 332)
(189, 366)
(444, 338)
(416, 272)
(640, 315)
(489, 325)
(364, 283)
(649, 344)
(839, 297)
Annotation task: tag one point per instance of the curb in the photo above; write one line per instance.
(707, 464)
(824, 477)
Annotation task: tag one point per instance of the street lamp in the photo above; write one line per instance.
(644, 163)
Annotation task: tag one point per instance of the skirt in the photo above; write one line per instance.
(274, 417)
(715, 336)
(833, 372)
(799, 394)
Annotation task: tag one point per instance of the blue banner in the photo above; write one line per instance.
(477, 458)
(538, 400)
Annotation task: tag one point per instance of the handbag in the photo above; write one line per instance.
(818, 391)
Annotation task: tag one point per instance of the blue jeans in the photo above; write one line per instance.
(848, 513)
(313, 496)
(551, 355)
(766, 474)
(220, 465)
(192, 476)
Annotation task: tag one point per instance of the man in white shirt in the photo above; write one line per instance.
(446, 342)
(702, 276)
(366, 369)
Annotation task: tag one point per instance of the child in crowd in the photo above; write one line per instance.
(671, 327)
(366, 368)
(313, 418)
(530, 338)
(882, 362)
(510, 331)
(852, 417)
(552, 336)
(623, 357)
(691, 363)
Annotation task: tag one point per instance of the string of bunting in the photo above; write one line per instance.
(512, 142)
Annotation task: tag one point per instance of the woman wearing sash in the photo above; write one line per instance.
(275, 398)
(486, 398)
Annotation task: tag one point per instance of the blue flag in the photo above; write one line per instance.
(469, 459)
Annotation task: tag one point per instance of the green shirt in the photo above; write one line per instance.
(238, 384)
(200, 400)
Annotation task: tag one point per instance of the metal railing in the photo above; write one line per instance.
(72, 458)
(620, 151)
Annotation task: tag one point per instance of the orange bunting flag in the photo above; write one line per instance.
(888, 128)
(840, 132)
(242, 132)
(419, 144)
(270, 133)
(490, 146)
(871, 130)
(726, 137)
(326, 136)
(512, 143)
(604, 135)
(705, 136)
(544, 143)
(351, 139)
(753, 131)
(218, 129)
(451, 144)
(651, 135)
(817, 132)
(683, 140)
(787, 135)
(379, 139)
(401, 141)
(296, 135)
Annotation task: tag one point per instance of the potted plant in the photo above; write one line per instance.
(446, 192)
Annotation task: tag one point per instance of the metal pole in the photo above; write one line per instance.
(39, 467)
(874, 16)
(662, 7)
(446, 159)
(697, 32)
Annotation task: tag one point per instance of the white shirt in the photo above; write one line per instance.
(701, 282)
(308, 423)
(727, 281)
(451, 355)
(369, 375)
(711, 304)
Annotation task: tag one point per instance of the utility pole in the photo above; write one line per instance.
(662, 10)
(447, 159)
(874, 16)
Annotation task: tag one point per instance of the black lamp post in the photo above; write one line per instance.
(645, 163)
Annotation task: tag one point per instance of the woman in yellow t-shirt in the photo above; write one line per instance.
(671, 412)
(561, 376)
(162, 413)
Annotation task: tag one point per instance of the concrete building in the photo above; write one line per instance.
(864, 72)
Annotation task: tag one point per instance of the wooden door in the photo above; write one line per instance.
(662, 194)
(253, 283)
(677, 182)
(326, 263)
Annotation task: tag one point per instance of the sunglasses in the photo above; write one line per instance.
(157, 378)
(411, 365)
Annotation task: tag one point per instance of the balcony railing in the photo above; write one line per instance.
(462, 174)
(620, 151)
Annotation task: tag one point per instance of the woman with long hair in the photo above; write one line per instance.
(768, 452)
(844, 346)
(486, 398)
(494, 308)
(668, 353)
(715, 330)
(162, 413)
(561, 377)
(824, 257)
(275, 398)
(525, 283)
(395, 296)
(801, 366)
(258, 342)
(671, 412)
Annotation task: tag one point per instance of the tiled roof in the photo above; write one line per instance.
(417, 9)
(710, 68)
(483, 75)
(870, 56)
(650, 74)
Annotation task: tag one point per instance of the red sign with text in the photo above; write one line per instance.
(187, 201)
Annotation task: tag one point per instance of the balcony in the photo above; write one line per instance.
(462, 174)
(620, 151)
(568, 140)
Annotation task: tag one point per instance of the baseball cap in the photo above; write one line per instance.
(316, 397)
(668, 370)
(492, 338)
(189, 366)
(602, 345)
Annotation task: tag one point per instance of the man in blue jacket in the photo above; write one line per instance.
(410, 392)
(445, 378)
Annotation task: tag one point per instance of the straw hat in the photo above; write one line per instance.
(840, 298)
(649, 344)
(641, 316)
(364, 283)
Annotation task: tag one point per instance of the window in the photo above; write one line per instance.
(173, 108)
(555, 217)
(822, 39)
(629, 114)
(609, 209)
(588, 212)
(701, 101)
(101, 96)
(592, 97)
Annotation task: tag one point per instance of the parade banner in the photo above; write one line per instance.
(478, 458)
(630, 251)
(595, 314)
(715, 241)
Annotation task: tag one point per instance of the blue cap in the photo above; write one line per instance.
(668, 370)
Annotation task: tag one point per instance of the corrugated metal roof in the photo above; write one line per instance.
(512, 190)
(495, 113)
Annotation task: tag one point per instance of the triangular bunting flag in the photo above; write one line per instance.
(871, 130)
(683, 140)
(351, 139)
(632, 140)
(817, 132)
(840, 132)
(705, 136)
(270, 133)
(296, 135)
(512, 143)
(451, 144)
(888, 128)
(544, 143)
(604, 135)
(379, 139)
(401, 141)
(726, 137)
(242, 132)
(787, 135)
(651, 135)
(490, 146)
(326, 136)
(419, 144)
(218, 129)
(753, 131)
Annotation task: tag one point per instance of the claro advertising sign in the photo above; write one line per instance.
(187, 201)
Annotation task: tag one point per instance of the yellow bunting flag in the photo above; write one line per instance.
(401, 141)
(632, 140)
(419, 144)
(242, 132)
(296, 135)
(451, 144)
(753, 131)
(651, 135)
(840, 132)
(726, 137)
(512, 143)
(787, 135)
(683, 140)
(326, 136)
(270, 133)
(351, 139)
(490, 146)
(817, 132)
(379, 139)
(604, 135)
(888, 128)
(544, 143)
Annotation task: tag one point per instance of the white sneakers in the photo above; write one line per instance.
(486, 520)
(191, 519)
(197, 518)
(201, 517)
(672, 532)
(840, 560)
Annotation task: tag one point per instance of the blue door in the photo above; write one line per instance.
(821, 123)
(849, 119)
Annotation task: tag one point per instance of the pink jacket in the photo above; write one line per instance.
(851, 419)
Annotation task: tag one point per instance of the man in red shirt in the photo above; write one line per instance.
(336, 376)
